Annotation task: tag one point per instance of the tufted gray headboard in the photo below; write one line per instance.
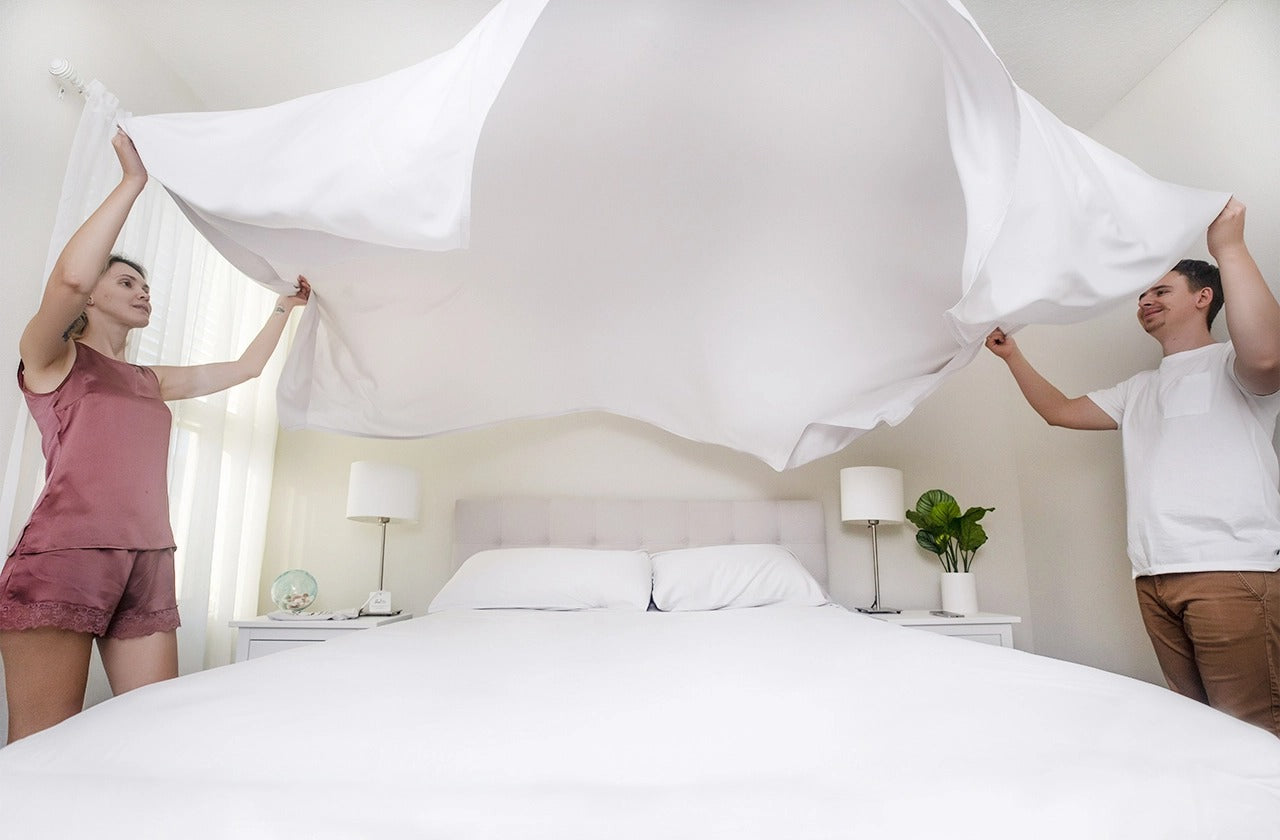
(652, 524)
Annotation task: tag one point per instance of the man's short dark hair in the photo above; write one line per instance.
(1203, 275)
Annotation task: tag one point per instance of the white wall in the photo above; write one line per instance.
(35, 138)
(1208, 116)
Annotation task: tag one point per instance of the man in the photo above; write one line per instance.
(1201, 474)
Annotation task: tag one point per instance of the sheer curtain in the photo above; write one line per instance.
(222, 447)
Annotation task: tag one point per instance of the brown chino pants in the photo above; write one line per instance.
(1217, 638)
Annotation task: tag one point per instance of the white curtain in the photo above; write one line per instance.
(222, 447)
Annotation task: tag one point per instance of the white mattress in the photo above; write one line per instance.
(771, 722)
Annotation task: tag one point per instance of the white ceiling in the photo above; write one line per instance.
(1079, 57)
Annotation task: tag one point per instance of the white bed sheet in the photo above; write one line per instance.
(770, 228)
(775, 722)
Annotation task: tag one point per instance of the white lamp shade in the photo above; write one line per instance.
(871, 493)
(383, 491)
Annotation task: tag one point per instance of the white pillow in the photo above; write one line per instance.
(725, 576)
(549, 579)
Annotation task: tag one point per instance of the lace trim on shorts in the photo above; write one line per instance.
(75, 617)
(137, 625)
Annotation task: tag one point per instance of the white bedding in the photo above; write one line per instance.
(766, 226)
(778, 722)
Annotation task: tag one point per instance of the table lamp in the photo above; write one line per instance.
(872, 495)
(382, 493)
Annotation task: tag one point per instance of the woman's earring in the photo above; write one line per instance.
(89, 302)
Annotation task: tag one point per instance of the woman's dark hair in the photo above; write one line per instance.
(78, 326)
(142, 272)
(1203, 275)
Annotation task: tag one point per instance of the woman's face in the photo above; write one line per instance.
(121, 295)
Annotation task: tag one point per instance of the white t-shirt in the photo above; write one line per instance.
(1200, 471)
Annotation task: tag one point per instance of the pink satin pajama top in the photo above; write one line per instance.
(105, 437)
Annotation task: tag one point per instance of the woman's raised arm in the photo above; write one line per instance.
(43, 347)
(182, 382)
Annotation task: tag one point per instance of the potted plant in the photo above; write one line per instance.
(955, 537)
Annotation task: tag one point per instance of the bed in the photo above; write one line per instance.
(599, 715)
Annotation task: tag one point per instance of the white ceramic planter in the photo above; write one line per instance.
(960, 592)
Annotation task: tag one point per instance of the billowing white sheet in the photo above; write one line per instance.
(776, 722)
(767, 226)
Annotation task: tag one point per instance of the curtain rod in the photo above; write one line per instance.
(67, 77)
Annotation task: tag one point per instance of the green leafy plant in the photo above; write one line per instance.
(954, 536)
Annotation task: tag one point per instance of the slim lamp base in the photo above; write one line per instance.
(875, 608)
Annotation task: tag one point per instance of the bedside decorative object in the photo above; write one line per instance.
(954, 537)
(872, 495)
(293, 591)
(959, 592)
(382, 493)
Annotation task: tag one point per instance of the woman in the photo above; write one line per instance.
(96, 557)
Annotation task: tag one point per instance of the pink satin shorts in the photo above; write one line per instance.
(110, 592)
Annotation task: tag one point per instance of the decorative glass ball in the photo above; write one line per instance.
(294, 591)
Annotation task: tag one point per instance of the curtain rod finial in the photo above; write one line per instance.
(66, 75)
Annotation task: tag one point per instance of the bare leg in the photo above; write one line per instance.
(133, 663)
(45, 674)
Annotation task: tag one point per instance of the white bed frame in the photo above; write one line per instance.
(651, 524)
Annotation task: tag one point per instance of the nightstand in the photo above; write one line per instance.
(260, 636)
(988, 628)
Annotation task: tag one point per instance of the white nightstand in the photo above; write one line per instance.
(988, 628)
(261, 636)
